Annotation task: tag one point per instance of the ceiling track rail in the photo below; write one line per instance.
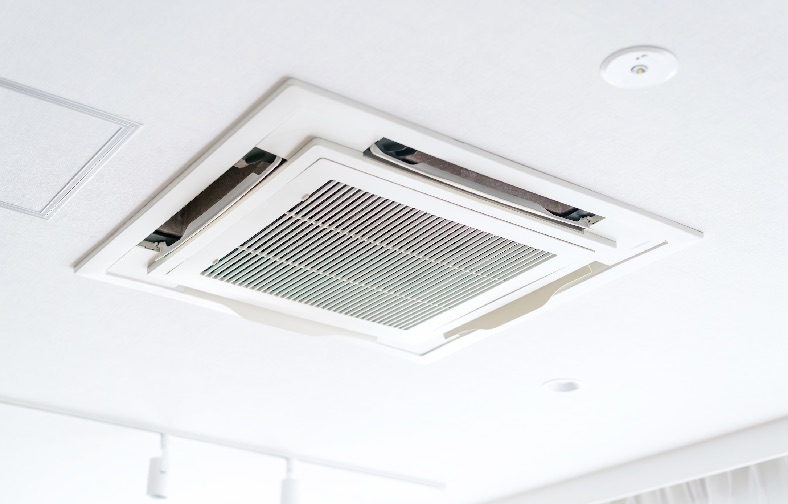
(271, 452)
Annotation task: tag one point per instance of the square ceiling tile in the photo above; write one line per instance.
(50, 146)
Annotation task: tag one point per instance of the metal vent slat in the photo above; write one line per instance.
(348, 251)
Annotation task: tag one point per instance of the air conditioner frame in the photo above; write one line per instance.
(307, 126)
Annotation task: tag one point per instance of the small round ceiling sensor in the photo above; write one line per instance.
(561, 385)
(639, 67)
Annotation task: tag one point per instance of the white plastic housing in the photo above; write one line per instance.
(158, 480)
(289, 491)
(323, 136)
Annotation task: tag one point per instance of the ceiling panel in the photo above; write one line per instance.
(682, 351)
(49, 146)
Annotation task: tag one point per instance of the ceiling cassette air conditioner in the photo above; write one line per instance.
(325, 217)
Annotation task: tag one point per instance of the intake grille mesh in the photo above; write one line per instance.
(351, 252)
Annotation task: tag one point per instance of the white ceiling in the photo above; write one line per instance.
(679, 352)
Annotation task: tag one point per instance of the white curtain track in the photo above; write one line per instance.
(764, 483)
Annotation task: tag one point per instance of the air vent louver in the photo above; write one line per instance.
(351, 252)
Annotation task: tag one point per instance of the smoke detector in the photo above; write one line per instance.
(326, 217)
(639, 67)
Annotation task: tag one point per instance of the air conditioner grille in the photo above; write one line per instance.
(351, 252)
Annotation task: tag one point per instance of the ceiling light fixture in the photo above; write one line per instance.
(561, 385)
(639, 67)
(158, 472)
(290, 485)
(157, 481)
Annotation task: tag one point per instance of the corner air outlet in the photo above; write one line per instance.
(310, 218)
(471, 181)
